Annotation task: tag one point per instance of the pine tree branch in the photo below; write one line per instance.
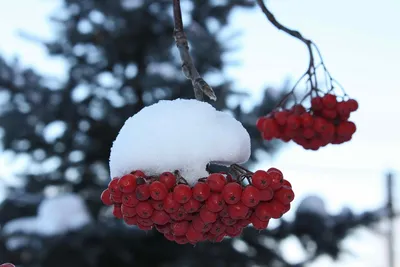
(189, 70)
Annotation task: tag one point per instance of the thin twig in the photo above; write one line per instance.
(189, 70)
(311, 72)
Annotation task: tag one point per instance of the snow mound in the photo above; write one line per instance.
(56, 215)
(182, 135)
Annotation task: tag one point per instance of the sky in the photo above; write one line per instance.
(359, 41)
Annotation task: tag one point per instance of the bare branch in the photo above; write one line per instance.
(189, 70)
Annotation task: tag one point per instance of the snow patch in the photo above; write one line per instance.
(182, 135)
(56, 215)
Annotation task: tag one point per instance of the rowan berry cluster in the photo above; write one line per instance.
(215, 207)
(325, 122)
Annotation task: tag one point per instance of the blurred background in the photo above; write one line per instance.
(72, 71)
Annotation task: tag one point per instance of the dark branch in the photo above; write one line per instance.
(189, 70)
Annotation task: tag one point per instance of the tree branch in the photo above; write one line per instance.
(189, 70)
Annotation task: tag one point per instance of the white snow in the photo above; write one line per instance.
(312, 204)
(182, 135)
(56, 215)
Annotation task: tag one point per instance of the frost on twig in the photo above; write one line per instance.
(189, 70)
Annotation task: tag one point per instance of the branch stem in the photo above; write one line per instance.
(200, 86)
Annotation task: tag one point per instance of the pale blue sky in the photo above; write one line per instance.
(360, 42)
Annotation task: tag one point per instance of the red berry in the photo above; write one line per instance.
(233, 231)
(306, 120)
(128, 211)
(257, 223)
(160, 217)
(218, 228)
(130, 200)
(117, 211)
(145, 222)
(181, 240)
(329, 114)
(168, 179)
(170, 205)
(7, 265)
(281, 117)
(127, 183)
(260, 123)
(192, 205)
(287, 183)
(116, 198)
(198, 224)
(215, 202)
(157, 204)
(266, 194)
(144, 227)
(138, 174)
(329, 101)
(114, 188)
(352, 104)
(285, 195)
(287, 208)
(144, 209)
(143, 192)
(169, 236)
(164, 229)
(298, 109)
(219, 238)
(216, 182)
(130, 220)
(308, 133)
(271, 129)
(207, 216)
(201, 191)
(277, 178)
(293, 122)
(260, 179)
(243, 222)
(346, 129)
(179, 228)
(238, 211)
(158, 190)
(232, 193)
(194, 236)
(250, 196)
(182, 193)
(228, 221)
(106, 198)
(316, 103)
(179, 215)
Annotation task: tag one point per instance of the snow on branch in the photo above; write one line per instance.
(200, 86)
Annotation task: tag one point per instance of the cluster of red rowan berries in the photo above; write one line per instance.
(326, 122)
(215, 207)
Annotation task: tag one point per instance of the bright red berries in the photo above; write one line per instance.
(127, 183)
(326, 122)
(182, 193)
(216, 182)
(158, 190)
(232, 193)
(217, 206)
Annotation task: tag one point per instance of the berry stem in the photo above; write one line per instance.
(311, 72)
(189, 70)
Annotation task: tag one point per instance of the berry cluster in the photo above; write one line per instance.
(215, 207)
(7, 265)
(326, 122)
